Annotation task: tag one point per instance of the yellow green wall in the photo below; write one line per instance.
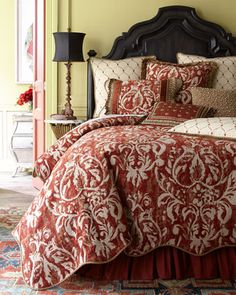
(9, 90)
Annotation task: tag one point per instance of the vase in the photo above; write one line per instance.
(30, 106)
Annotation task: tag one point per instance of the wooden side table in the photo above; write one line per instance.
(61, 127)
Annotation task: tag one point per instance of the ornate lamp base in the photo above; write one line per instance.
(67, 113)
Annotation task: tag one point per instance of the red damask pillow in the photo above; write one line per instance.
(139, 96)
(172, 114)
(195, 74)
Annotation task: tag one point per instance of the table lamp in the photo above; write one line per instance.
(68, 49)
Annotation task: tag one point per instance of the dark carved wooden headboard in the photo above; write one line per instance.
(174, 29)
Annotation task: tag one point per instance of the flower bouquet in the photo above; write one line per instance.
(26, 97)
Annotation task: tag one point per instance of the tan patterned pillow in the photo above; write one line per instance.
(104, 69)
(223, 101)
(217, 127)
(225, 77)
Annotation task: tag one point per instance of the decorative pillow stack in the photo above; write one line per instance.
(104, 69)
(171, 114)
(225, 77)
(198, 74)
(119, 88)
(139, 96)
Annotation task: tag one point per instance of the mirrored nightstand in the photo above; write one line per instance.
(21, 144)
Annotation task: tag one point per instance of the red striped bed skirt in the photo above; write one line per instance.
(166, 263)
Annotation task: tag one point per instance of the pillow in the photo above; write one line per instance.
(138, 96)
(223, 101)
(225, 77)
(217, 127)
(198, 74)
(171, 114)
(104, 69)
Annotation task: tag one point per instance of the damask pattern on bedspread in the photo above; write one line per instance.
(46, 162)
(129, 188)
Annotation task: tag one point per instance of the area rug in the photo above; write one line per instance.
(12, 283)
(9, 217)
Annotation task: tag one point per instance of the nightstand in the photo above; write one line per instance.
(61, 127)
(21, 144)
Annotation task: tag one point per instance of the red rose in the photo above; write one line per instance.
(25, 97)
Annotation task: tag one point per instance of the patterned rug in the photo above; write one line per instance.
(8, 220)
(11, 282)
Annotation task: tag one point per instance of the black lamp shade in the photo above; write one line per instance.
(68, 46)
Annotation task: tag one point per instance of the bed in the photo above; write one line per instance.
(125, 199)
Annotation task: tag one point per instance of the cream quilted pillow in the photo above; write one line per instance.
(225, 77)
(104, 69)
(223, 127)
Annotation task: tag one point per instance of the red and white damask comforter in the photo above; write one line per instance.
(114, 186)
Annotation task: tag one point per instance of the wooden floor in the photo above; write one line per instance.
(16, 191)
